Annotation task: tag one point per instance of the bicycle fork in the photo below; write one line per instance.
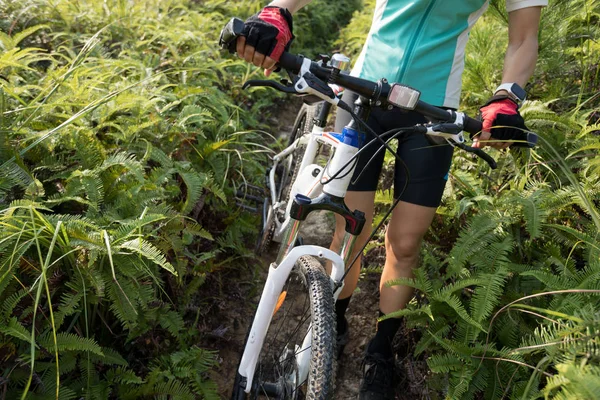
(331, 199)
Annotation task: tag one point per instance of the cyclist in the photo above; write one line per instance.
(420, 43)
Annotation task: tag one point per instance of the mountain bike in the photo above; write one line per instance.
(289, 351)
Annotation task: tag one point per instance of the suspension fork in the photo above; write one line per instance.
(303, 205)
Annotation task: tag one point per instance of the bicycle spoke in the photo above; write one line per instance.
(305, 317)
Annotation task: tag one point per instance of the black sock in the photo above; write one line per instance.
(386, 330)
(340, 315)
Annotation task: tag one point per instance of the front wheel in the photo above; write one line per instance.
(306, 302)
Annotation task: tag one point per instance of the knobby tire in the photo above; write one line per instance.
(312, 287)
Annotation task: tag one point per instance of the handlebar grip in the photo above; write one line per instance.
(486, 157)
(479, 153)
(523, 139)
(235, 28)
(290, 62)
(472, 125)
(229, 34)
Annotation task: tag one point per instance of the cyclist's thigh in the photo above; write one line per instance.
(427, 163)
(428, 166)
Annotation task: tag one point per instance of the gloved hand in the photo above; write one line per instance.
(266, 36)
(502, 122)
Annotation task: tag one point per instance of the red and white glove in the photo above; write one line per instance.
(266, 36)
(501, 122)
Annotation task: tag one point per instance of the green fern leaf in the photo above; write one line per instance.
(69, 342)
(171, 321)
(487, 296)
(16, 330)
(11, 302)
(148, 251)
(552, 281)
(430, 335)
(455, 303)
(409, 312)
(478, 234)
(125, 160)
(534, 214)
(443, 363)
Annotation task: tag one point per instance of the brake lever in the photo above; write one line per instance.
(271, 84)
(479, 153)
(453, 133)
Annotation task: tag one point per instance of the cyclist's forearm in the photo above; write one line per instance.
(522, 52)
(519, 63)
(291, 5)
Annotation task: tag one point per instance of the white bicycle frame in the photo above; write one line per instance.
(306, 183)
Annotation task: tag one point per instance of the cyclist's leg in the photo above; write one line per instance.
(403, 238)
(428, 167)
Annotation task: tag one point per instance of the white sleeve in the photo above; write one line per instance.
(512, 5)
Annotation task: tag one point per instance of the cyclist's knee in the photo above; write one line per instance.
(404, 247)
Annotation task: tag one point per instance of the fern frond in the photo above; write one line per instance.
(123, 375)
(552, 281)
(16, 330)
(171, 321)
(410, 312)
(148, 251)
(478, 234)
(446, 291)
(125, 160)
(487, 296)
(68, 341)
(195, 183)
(443, 363)
(455, 303)
(429, 337)
(535, 215)
(69, 303)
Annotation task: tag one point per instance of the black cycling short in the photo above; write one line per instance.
(428, 163)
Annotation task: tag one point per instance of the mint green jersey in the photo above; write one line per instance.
(421, 43)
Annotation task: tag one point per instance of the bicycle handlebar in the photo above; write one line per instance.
(375, 91)
(379, 91)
